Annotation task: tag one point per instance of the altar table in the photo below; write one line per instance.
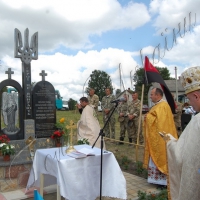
(78, 179)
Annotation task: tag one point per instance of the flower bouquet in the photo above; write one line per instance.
(56, 136)
(3, 140)
(7, 150)
(61, 131)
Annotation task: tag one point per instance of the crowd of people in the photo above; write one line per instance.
(128, 112)
(128, 115)
(171, 153)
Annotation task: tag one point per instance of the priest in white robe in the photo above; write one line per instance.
(184, 154)
(88, 126)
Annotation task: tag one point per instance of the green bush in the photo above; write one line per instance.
(152, 196)
(124, 162)
(140, 170)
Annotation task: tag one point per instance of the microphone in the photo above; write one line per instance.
(118, 100)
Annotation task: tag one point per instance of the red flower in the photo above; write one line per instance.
(57, 134)
(4, 139)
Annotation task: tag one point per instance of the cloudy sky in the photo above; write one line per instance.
(76, 37)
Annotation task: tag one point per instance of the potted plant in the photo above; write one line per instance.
(7, 150)
(3, 140)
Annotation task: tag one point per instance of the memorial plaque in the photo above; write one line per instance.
(44, 109)
(29, 128)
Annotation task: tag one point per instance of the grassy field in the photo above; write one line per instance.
(125, 154)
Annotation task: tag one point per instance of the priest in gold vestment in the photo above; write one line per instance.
(184, 154)
(158, 119)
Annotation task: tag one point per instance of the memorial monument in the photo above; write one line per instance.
(31, 107)
(30, 113)
(27, 116)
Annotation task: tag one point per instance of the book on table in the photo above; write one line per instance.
(82, 153)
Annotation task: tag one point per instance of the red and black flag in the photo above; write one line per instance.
(153, 75)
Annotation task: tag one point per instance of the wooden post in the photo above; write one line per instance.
(139, 126)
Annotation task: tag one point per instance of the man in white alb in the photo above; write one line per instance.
(183, 155)
(88, 126)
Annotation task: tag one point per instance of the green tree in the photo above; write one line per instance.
(99, 81)
(72, 104)
(164, 72)
(118, 91)
(138, 78)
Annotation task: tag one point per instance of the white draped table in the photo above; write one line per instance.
(78, 179)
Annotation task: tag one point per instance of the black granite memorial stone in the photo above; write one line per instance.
(44, 109)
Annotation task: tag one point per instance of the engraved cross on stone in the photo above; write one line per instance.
(43, 74)
(9, 72)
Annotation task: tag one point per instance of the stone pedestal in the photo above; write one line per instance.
(14, 174)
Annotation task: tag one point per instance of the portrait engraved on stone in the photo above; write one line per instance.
(10, 112)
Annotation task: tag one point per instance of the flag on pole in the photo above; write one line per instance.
(37, 195)
(153, 75)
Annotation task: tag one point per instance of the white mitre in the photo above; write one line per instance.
(190, 79)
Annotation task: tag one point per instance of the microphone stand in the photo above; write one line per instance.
(101, 133)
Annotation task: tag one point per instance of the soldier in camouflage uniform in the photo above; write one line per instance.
(107, 110)
(123, 118)
(133, 115)
(177, 116)
(93, 100)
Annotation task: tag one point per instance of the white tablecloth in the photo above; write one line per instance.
(79, 179)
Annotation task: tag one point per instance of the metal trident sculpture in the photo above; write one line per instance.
(26, 53)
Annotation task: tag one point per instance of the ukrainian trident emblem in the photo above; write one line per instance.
(26, 53)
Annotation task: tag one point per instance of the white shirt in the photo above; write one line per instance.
(190, 110)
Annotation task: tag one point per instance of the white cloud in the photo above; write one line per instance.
(169, 13)
(67, 23)
(166, 16)
(69, 73)
(187, 49)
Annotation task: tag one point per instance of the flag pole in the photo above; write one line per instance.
(140, 116)
(139, 125)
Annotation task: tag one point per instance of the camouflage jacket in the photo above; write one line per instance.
(105, 103)
(94, 101)
(134, 108)
(177, 115)
(123, 108)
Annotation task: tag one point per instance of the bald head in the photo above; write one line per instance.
(156, 95)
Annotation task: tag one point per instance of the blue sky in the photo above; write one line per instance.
(79, 36)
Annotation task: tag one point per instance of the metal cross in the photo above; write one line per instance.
(43, 74)
(71, 127)
(9, 72)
